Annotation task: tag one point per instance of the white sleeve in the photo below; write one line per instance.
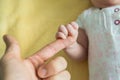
(81, 20)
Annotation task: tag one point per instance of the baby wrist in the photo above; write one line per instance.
(72, 45)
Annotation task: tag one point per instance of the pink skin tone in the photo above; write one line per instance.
(75, 50)
(13, 67)
(79, 47)
(105, 3)
(74, 41)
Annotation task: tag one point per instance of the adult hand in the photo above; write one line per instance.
(13, 67)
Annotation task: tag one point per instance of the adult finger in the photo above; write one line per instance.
(55, 66)
(48, 51)
(12, 47)
(65, 75)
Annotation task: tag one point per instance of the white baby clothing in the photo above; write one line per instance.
(102, 27)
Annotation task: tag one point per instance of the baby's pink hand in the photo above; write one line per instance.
(70, 30)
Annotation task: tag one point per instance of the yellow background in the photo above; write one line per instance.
(34, 24)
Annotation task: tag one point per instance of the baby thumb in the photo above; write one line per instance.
(12, 47)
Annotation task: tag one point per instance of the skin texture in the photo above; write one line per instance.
(105, 3)
(13, 67)
(78, 48)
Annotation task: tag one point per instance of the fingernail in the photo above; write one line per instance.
(43, 72)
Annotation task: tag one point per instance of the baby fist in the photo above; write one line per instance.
(70, 30)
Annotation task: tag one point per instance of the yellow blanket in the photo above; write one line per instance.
(34, 24)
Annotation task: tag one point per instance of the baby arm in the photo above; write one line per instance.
(78, 49)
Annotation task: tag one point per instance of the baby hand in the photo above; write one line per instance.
(70, 30)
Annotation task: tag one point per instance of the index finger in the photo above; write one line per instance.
(48, 51)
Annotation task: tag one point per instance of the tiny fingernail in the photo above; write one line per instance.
(43, 72)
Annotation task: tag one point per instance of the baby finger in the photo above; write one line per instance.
(60, 35)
